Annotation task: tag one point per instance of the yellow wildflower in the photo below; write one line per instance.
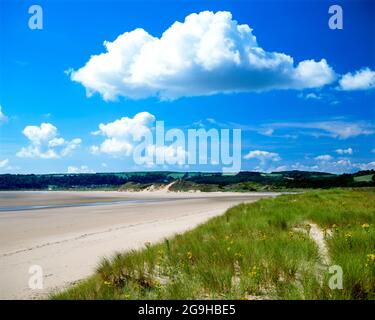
(189, 255)
(371, 257)
(254, 272)
(365, 226)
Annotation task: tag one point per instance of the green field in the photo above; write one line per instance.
(262, 250)
(364, 178)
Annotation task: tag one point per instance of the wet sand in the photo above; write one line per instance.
(73, 230)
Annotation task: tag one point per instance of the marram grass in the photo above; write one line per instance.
(253, 251)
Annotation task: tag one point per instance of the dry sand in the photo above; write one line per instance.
(68, 242)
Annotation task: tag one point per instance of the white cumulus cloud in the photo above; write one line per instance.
(38, 135)
(207, 53)
(363, 79)
(45, 143)
(124, 135)
(121, 134)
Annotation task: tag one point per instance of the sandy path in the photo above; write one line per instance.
(317, 235)
(68, 242)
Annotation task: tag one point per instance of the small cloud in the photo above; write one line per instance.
(94, 150)
(281, 168)
(3, 117)
(267, 132)
(45, 143)
(310, 96)
(81, 169)
(121, 135)
(95, 133)
(4, 163)
(363, 79)
(68, 71)
(344, 151)
(262, 155)
(324, 157)
(35, 152)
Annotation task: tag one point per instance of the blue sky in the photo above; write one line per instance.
(319, 116)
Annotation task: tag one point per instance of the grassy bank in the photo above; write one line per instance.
(254, 251)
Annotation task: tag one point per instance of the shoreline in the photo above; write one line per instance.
(69, 242)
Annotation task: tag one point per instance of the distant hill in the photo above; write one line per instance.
(242, 181)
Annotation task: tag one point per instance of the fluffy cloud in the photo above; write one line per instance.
(344, 151)
(324, 157)
(363, 79)
(122, 133)
(262, 155)
(206, 54)
(38, 135)
(3, 117)
(81, 169)
(36, 152)
(45, 144)
(122, 136)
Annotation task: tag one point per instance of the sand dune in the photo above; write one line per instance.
(68, 241)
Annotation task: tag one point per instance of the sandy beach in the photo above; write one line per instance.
(68, 232)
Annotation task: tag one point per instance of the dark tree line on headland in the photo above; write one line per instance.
(286, 179)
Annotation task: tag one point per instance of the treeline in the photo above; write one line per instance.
(70, 181)
(203, 181)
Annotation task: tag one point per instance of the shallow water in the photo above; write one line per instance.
(68, 205)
